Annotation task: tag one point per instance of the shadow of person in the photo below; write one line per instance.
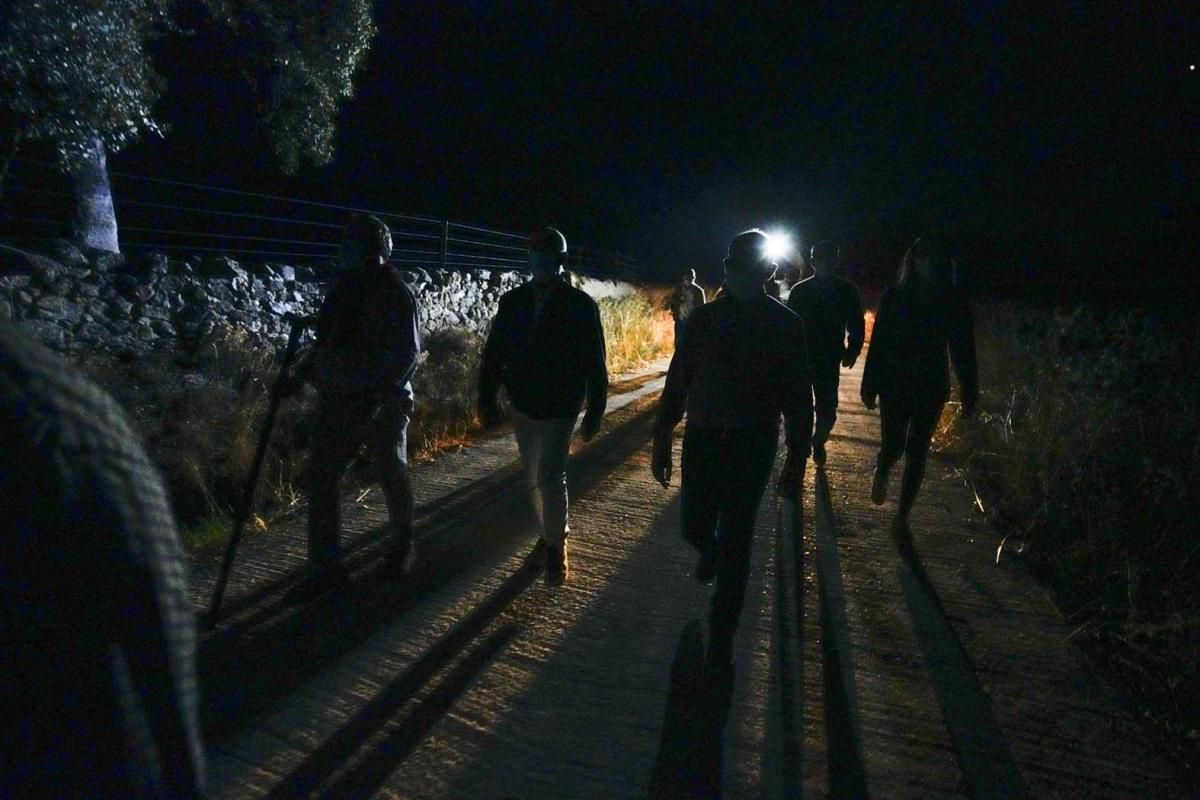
(980, 744)
(691, 752)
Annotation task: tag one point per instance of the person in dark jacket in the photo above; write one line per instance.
(546, 348)
(833, 322)
(362, 365)
(919, 320)
(99, 639)
(741, 363)
(687, 297)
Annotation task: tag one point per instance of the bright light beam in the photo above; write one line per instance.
(779, 246)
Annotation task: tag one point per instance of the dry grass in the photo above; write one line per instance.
(1087, 448)
(637, 330)
(202, 422)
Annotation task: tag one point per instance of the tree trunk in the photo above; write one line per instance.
(95, 223)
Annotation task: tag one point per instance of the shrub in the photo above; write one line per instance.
(1088, 444)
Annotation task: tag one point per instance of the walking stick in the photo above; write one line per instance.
(299, 323)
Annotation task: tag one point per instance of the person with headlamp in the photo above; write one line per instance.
(741, 362)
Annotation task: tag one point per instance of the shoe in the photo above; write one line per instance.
(706, 565)
(818, 453)
(401, 560)
(879, 486)
(558, 568)
(332, 578)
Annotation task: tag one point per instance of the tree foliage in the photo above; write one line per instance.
(75, 72)
(307, 52)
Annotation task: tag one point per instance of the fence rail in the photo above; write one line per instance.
(183, 218)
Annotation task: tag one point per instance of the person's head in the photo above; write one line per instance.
(689, 276)
(547, 254)
(747, 266)
(928, 263)
(366, 241)
(823, 257)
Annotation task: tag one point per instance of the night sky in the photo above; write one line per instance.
(662, 130)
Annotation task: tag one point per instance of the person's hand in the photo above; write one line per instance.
(589, 426)
(869, 400)
(660, 461)
(791, 477)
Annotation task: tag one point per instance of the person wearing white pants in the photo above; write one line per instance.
(545, 445)
(546, 348)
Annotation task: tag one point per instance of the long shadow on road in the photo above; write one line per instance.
(691, 752)
(247, 670)
(982, 750)
(847, 774)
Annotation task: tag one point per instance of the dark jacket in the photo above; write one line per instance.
(686, 298)
(549, 359)
(912, 334)
(367, 335)
(738, 365)
(832, 311)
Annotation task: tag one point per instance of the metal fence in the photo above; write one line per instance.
(183, 218)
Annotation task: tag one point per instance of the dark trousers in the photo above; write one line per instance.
(826, 374)
(344, 424)
(906, 428)
(724, 475)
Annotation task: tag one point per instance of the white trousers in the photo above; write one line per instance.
(545, 445)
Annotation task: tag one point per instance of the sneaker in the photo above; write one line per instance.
(332, 578)
(557, 564)
(401, 560)
(818, 453)
(879, 486)
(706, 565)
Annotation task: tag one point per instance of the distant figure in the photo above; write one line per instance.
(687, 297)
(546, 348)
(362, 366)
(833, 322)
(740, 364)
(98, 636)
(919, 319)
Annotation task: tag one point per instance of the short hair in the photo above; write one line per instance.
(548, 240)
(746, 250)
(690, 274)
(369, 231)
(825, 252)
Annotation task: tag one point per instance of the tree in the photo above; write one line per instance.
(78, 75)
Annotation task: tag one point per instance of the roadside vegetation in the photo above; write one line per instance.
(201, 422)
(1087, 452)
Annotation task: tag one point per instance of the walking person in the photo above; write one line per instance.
(546, 348)
(833, 323)
(99, 657)
(919, 320)
(741, 363)
(362, 366)
(687, 297)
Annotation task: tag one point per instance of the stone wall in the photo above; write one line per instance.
(99, 302)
